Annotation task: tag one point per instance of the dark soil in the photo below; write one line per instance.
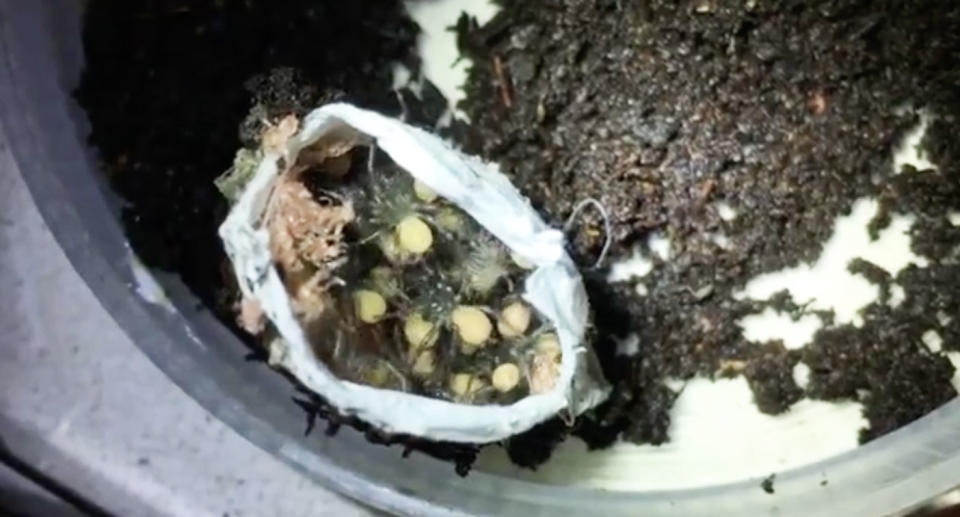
(659, 109)
(784, 110)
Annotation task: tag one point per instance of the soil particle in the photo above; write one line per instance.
(535, 446)
(767, 483)
(770, 376)
(874, 274)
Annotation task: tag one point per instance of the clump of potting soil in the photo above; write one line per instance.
(736, 132)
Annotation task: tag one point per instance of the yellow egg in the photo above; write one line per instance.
(414, 236)
(472, 324)
(425, 363)
(514, 320)
(464, 384)
(370, 306)
(390, 247)
(506, 377)
(548, 345)
(419, 332)
(423, 192)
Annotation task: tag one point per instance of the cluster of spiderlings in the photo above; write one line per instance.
(434, 306)
(434, 295)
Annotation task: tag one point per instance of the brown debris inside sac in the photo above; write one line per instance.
(305, 231)
(307, 241)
